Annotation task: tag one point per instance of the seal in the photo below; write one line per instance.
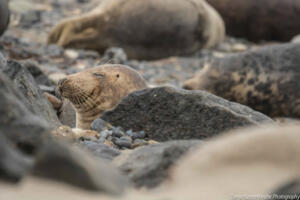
(4, 16)
(148, 29)
(98, 89)
(266, 79)
(257, 20)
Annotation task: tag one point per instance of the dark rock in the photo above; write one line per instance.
(99, 125)
(58, 161)
(39, 76)
(13, 164)
(4, 15)
(122, 143)
(67, 114)
(165, 113)
(54, 50)
(17, 122)
(117, 133)
(27, 85)
(148, 166)
(139, 135)
(101, 150)
(29, 18)
(290, 189)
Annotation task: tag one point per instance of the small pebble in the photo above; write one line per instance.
(99, 125)
(123, 143)
(129, 139)
(139, 135)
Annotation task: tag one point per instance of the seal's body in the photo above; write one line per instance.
(266, 80)
(145, 29)
(96, 90)
(256, 20)
(4, 15)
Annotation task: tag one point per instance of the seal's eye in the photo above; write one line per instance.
(98, 75)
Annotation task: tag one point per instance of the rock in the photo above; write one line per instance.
(239, 163)
(165, 113)
(17, 121)
(123, 143)
(64, 133)
(4, 15)
(99, 125)
(13, 164)
(67, 114)
(29, 18)
(25, 82)
(101, 150)
(39, 76)
(265, 79)
(149, 166)
(58, 161)
(289, 190)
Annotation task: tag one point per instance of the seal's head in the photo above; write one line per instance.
(96, 90)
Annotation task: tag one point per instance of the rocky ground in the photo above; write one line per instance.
(130, 149)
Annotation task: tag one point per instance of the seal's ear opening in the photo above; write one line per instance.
(118, 75)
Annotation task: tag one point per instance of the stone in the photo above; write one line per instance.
(166, 113)
(27, 85)
(99, 125)
(13, 164)
(101, 150)
(4, 15)
(17, 121)
(67, 114)
(60, 162)
(289, 190)
(149, 166)
(39, 76)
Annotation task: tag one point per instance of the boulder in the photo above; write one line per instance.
(13, 164)
(27, 85)
(17, 121)
(60, 162)
(4, 15)
(149, 166)
(166, 113)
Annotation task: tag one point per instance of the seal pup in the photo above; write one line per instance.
(4, 16)
(98, 89)
(258, 20)
(145, 29)
(266, 79)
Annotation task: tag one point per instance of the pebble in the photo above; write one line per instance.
(99, 125)
(123, 143)
(139, 135)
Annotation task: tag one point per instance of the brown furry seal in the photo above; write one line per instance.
(266, 80)
(4, 15)
(145, 29)
(96, 90)
(260, 19)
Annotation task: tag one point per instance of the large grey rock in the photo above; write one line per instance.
(17, 121)
(4, 15)
(13, 164)
(149, 166)
(27, 85)
(59, 162)
(166, 113)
